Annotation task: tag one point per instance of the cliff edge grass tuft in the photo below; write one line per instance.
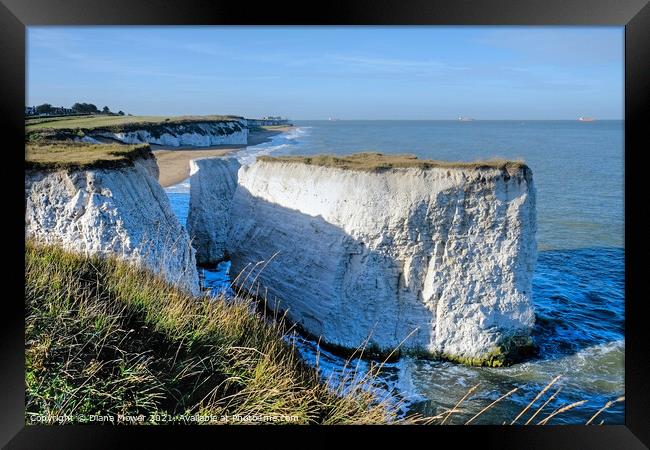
(374, 162)
(106, 338)
(80, 155)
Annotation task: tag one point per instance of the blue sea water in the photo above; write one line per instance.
(578, 285)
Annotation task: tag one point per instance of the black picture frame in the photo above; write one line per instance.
(15, 15)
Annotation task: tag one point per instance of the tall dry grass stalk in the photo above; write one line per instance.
(543, 406)
(491, 405)
(546, 388)
(455, 408)
(604, 408)
(442, 418)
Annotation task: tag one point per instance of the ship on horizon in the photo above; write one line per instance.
(464, 119)
(586, 119)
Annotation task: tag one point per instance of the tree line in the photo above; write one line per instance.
(80, 108)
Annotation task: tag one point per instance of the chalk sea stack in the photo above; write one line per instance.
(213, 182)
(386, 250)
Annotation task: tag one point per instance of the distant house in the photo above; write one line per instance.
(56, 111)
(60, 110)
(267, 121)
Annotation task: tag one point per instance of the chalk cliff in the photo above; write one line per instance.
(121, 211)
(200, 134)
(175, 134)
(212, 185)
(440, 257)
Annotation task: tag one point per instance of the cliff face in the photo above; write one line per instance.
(175, 134)
(443, 255)
(121, 211)
(201, 134)
(212, 185)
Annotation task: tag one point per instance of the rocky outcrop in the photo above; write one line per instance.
(212, 185)
(439, 259)
(119, 211)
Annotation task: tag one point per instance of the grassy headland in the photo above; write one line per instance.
(80, 155)
(102, 121)
(370, 161)
(105, 338)
(67, 128)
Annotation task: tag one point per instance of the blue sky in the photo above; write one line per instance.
(344, 72)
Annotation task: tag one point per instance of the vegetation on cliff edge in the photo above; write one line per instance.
(105, 121)
(105, 338)
(80, 155)
(370, 161)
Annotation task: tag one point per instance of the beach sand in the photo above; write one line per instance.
(174, 162)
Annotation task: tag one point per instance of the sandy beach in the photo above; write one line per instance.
(174, 162)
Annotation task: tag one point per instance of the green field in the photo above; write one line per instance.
(102, 121)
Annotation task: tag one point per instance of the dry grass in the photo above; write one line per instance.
(527, 412)
(368, 161)
(73, 155)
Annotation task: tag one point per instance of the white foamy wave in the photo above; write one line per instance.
(598, 367)
(180, 188)
(248, 156)
(342, 373)
(296, 133)
(278, 144)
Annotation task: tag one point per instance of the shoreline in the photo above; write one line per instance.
(174, 162)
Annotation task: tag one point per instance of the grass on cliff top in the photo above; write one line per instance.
(102, 121)
(104, 338)
(369, 161)
(80, 155)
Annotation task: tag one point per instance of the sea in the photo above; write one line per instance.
(578, 284)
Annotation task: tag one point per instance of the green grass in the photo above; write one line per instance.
(103, 121)
(370, 161)
(79, 155)
(105, 338)
(37, 120)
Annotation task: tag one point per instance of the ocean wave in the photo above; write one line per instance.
(280, 143)
(181, 188)
(596, 368)
(296, 132)
(249, 156)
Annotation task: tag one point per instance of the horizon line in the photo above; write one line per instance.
(456, 120)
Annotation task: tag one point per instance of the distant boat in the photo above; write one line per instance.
(332, 119)
(464, 119)
(586, 119)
